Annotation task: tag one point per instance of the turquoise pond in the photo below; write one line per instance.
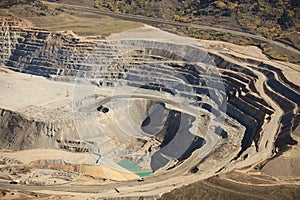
(131, 166)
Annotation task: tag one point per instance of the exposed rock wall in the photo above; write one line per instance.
(281, 90)
(19, 133)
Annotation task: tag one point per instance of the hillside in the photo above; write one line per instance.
(220, 188)
(273, 19)
(270, 18)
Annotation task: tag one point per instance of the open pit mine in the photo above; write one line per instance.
(138, 113)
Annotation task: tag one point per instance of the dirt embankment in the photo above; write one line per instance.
(19, 132)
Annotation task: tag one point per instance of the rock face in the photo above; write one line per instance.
(18, 132)
(33, 132)
(223, 89)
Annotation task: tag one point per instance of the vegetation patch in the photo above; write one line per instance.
(10, 3)
(62, 18)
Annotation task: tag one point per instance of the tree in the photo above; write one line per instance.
(286, 21)
(273, 3)
(295, 3)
